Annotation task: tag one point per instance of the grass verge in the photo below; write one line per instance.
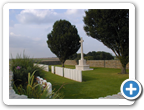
(99, 82)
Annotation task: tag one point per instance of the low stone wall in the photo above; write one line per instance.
(47, 62)
(70, 62)
(91, 63)
(99, 63)
(106, 63)
(95, 63)
(67, 62)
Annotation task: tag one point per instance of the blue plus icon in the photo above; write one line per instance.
(131, 89)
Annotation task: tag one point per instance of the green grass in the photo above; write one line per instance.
(99, 82)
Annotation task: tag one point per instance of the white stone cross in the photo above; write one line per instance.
(81, 41)
(82, 62)
(131, 89)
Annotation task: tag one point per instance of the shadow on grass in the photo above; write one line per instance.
(88, 78)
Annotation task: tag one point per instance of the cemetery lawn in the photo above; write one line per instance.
(96, 83)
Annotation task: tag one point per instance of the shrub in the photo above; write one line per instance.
(35, 90)
(21, 66)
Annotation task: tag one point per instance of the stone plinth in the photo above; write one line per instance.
(83, 66)
(82, 62)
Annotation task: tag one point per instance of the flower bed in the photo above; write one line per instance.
(25, 83)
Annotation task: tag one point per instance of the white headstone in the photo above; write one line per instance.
(45, 67)
(59, 71)
(52, 69)
(41, 80)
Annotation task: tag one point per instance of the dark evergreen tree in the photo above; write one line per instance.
(63, 40)
(111, 27)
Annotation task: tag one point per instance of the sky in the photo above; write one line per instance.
(28, 29)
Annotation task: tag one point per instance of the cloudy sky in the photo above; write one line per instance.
(28, 29)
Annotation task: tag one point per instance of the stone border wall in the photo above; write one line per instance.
(99, 63)
(47, 62)
(70, 62)
(91, 63)
(106, 63)
(12, 94)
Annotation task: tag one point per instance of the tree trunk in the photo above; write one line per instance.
(123, 70)
(124, 61)
(62, 64)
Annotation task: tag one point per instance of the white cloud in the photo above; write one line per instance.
(37, 16)
(31, 31)
(71, 11)
(30, 34)
(12, 34)
(37, 39)
(19, 41)
(75, 12)
(31, 38)
(11, 23)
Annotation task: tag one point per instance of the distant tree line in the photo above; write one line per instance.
(92, 56)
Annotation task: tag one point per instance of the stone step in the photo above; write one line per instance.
(118, 96)
(11, 91)
(15, 96)
(111, 97)
(12, 94)
(101, 98)
(115, 96)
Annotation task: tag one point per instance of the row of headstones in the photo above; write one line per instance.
(45, 84)
(43, 66)
(68, 73)
(65, 72)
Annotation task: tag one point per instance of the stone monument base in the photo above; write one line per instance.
(82, 66)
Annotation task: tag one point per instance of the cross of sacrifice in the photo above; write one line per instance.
(81, 41)
(131, 89)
